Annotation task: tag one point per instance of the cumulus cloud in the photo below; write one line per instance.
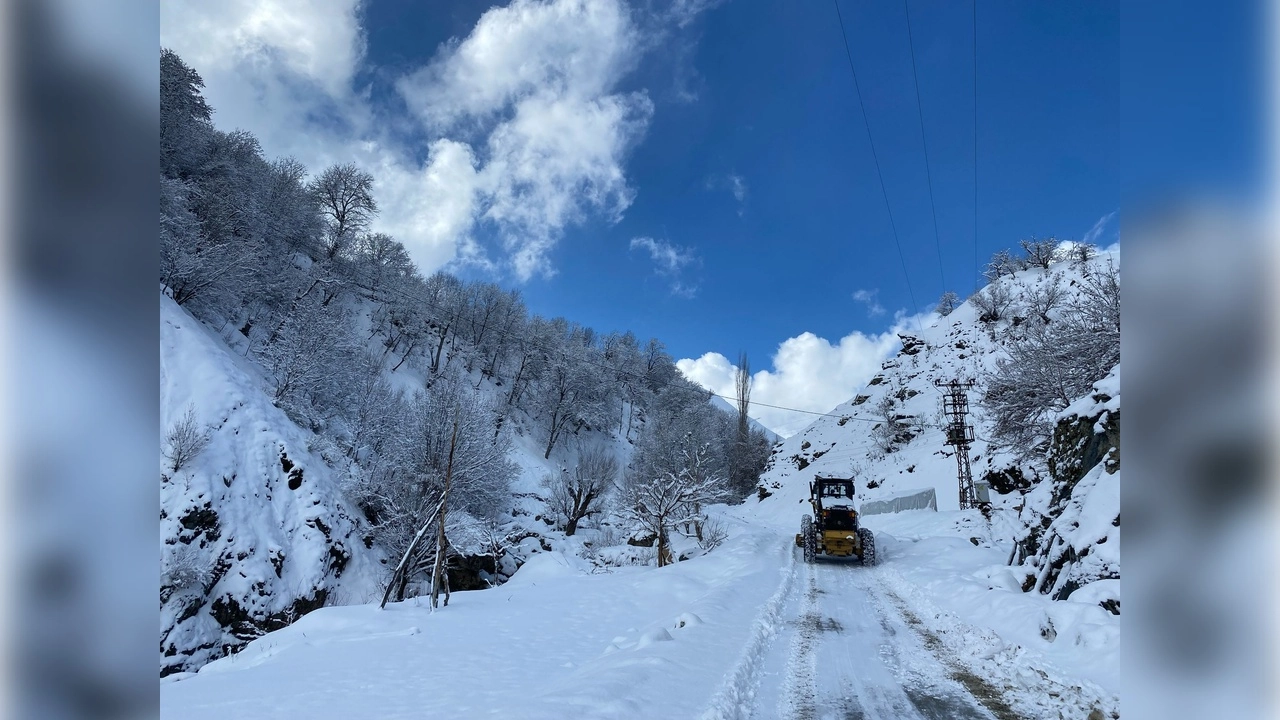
(670, 262)
(527, 129)
(869, 298)
(809, 373)
(536, 82)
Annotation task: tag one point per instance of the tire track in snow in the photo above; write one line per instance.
(800, 688)
(735, 699)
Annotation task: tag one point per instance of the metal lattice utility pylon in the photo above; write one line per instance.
(955, 405)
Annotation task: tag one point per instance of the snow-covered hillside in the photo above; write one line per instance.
(261, 527)
(941, 628)
(851, 440)
(1058, 521)
(254, 530)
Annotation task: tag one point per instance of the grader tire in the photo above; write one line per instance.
(868, 541)
(810, 539)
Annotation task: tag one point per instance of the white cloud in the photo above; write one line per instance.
(735, 184)
(1095, 233)
(809, 373)
(670, 261)
(559, 48)
(686, 11)
(527, 132)
(318, 40)
(537, 81)
(869, 298)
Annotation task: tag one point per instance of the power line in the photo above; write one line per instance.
(975, 146)
(867, 124)
(906, 7)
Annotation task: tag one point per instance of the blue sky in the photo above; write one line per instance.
(699, 171)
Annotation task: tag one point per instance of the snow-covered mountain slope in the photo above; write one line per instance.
(254, 530)
(845, 443)
(1059, 599)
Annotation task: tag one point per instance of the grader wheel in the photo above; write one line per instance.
(810, 539)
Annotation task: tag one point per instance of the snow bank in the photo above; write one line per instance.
(556, 641)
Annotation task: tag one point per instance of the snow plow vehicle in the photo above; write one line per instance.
(833, 528)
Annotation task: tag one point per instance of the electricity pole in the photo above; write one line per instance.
(955, 405)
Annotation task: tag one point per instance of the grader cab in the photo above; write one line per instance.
(833, 527)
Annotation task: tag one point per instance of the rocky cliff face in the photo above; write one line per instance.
(253, 529)
(1070, 544)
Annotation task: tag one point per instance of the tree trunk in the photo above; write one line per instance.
(551, 437)
(664, 548)
(441, 542)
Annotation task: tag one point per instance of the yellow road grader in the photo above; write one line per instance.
(833, 529)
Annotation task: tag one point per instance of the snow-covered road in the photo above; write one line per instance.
(748, 631)
(846, 650)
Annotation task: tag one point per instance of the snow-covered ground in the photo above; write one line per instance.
(940, 629)
(556, 641)
(747, 630)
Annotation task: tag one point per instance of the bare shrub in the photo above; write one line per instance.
(885, 433)
(1047, 296)
(185, 566)
(993, 302)
(1040, 253)
(1003, 263)
(713, 534)
(186, 439)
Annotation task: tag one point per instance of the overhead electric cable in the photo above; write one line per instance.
(867, 123)
(937, 241)
(975, 146)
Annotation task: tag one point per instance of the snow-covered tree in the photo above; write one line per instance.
(1050, 364)
(185, 440)
(345, 195)
(577, 494)
(1040, 252)
(947, 303)
(993, 302)
(658, 504)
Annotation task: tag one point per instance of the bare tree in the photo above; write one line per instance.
(575, 495)
(345, 194)
(947, 303)
(185, 440)
(1083, 251)
(741, 477)
(1049, 366)
(1040, 253)
(992, 302)
(885, 432)
(1003, 263)
(1046, 296)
